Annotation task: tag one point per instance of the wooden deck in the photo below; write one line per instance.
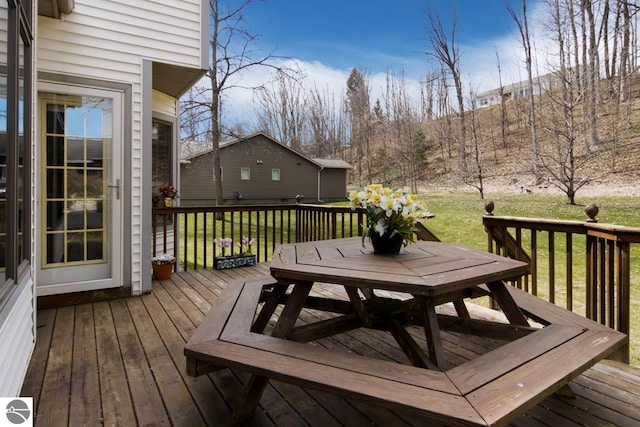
(121, 362)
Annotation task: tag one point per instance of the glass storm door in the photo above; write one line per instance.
(80, 208)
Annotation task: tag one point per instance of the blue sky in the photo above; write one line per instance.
(374, 34)
(328, 38)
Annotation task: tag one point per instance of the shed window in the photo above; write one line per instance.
(275, 174)
(245, 174)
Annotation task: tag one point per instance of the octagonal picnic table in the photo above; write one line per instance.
(391, 292)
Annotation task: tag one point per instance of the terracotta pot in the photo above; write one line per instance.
(163, 271)
(385, 244)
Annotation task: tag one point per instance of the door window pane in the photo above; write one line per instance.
(76, 190)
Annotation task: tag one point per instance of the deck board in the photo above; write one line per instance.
(121, 363)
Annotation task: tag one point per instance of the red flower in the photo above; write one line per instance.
(167, 190)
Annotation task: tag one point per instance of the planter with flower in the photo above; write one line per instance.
(391, 216)
(243, 258)
(169, 193)
(163, 266)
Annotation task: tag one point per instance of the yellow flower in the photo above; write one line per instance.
(387, 210)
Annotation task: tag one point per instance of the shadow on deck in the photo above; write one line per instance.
(121, 362)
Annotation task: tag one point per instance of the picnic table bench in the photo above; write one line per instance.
(489, 390)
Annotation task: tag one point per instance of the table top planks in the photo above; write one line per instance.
(423, 268)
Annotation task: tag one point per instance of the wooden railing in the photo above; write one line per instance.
(189, 232)
(588, 265)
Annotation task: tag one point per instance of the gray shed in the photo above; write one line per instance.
(259, 169)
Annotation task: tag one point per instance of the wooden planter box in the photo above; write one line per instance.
(232, 261)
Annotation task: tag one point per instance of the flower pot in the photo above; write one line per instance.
(163, 271)
(385, 244)
(168, 202)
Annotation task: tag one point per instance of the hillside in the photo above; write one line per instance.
(612, 167)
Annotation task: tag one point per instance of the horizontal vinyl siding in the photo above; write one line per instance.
(110, 36)
(196, 182)
(16, 336)
(297, 174)
(165, 104)
(333, 184)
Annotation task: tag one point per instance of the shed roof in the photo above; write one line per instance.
(333, 163)
(197, 149)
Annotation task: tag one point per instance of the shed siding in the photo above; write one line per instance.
(333, 184)
(197, 187)
(107, 40)
(297, 174)
(16, 336)
(261, 155)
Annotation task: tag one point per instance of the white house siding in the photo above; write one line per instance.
(108, 40)
(164, 104)
(16, 336)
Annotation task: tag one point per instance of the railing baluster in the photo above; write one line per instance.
(534, 262)
(602, 281)
(176, 241)
(552, 267)
(610, 305)
(569, 270)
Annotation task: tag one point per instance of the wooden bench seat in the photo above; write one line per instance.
(489, 390)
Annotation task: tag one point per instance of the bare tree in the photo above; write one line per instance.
(504, 125)
(445, 50)
(523, 28)
(407, 152)
(281, 110)
(232, 52)
(624, 68)
(326, 125)
(568, 168)
(475, 175)
(359, 111)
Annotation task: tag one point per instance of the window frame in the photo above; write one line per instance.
(19, 81)
(242, 174)
(273, 176)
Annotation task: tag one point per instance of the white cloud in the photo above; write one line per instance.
(479, 68)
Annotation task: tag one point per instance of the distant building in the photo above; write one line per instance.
(259, 169)
(541, 84)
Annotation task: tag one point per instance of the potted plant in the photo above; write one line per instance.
(163, 266)
(169, 193)
(242, 259)
(391, 216)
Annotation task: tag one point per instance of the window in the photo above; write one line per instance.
(275, 174)
(15, 151)
(245, 174)
(161, 143)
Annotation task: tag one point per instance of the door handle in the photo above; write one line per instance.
(117, 187)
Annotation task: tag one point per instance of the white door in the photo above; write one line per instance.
(79, 204)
